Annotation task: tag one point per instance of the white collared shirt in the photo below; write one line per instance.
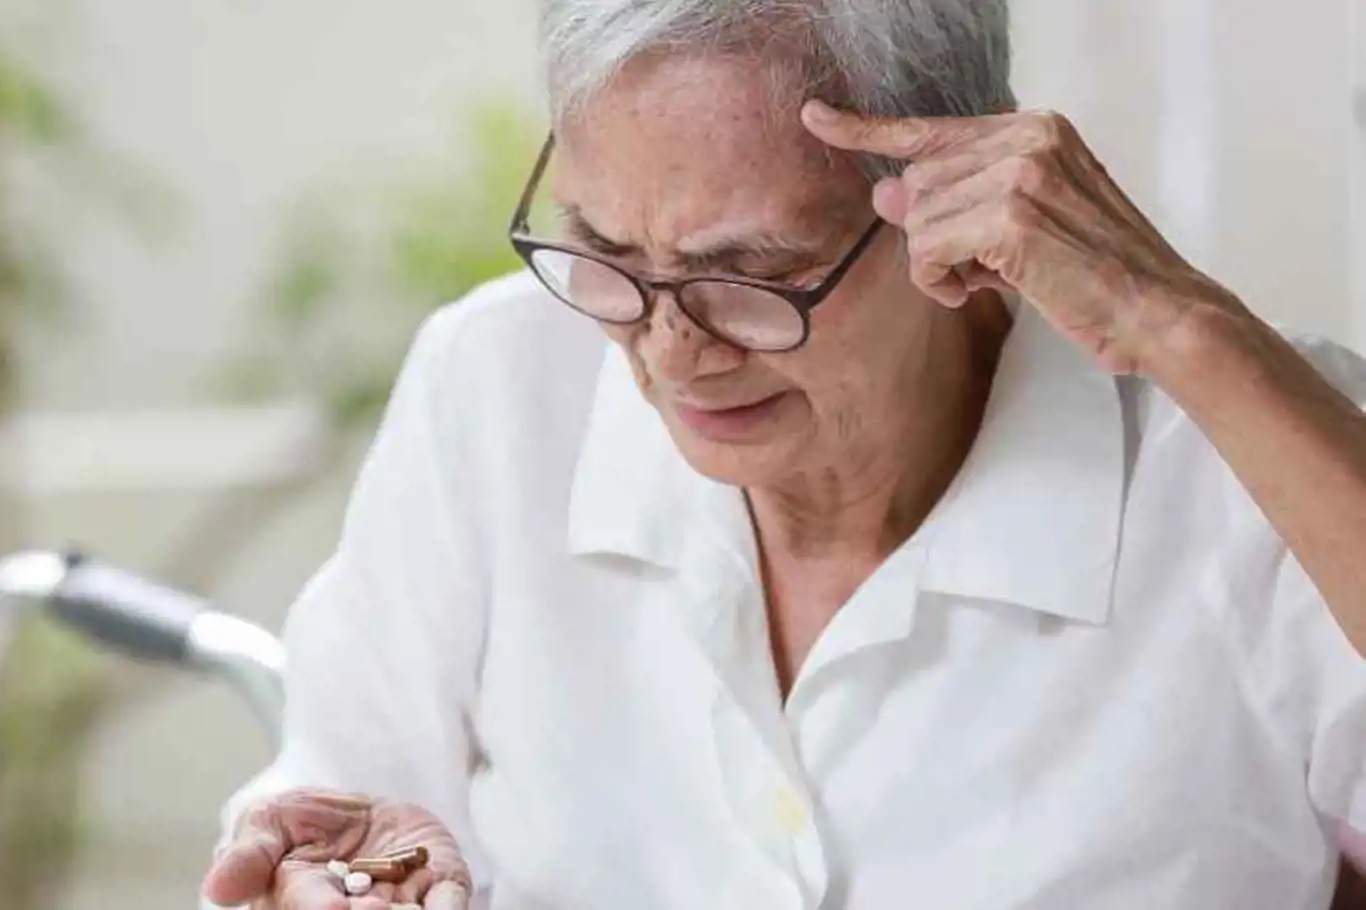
(1093, 679)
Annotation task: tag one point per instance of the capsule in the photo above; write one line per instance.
(412, 857)
(381, 869)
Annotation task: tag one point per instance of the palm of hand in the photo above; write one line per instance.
(278, 859)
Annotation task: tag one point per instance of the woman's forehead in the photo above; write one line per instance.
(648, 149)
(684, 115)
(693, 207)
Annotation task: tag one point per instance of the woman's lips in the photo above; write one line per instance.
(727, 423)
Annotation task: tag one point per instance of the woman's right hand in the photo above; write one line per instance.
(278, 856)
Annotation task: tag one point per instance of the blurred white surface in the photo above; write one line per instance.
(1357, 164)
(239, 105)
(1228, 122)
(159, 450)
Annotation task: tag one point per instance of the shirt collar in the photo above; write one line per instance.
(1033, 517)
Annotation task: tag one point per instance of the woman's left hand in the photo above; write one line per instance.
(1018, 202)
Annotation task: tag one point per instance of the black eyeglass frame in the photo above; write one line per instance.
(803, 300)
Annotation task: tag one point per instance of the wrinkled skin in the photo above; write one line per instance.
(1018, 202)
(278, 855)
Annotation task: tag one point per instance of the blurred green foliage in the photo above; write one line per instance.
(359, 268)
(29, 115)
(39, 131)
(29, 111)
(50, 682)
(50, 693)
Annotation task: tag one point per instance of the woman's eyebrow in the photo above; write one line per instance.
(765, 246)
(718, 252)
(807, 242)
(582, 230)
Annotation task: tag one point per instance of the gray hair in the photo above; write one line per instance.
(889, 58)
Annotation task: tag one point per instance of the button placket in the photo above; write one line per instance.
(760, 771)
(764, 783)
(755, 757)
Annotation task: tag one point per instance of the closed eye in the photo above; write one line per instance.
(796, 278)
(784, 277)
(599, 245)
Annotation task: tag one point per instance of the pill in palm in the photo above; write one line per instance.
(358, 883)
(381, 869)
(414, 857)
(417, 857)
(338, 869)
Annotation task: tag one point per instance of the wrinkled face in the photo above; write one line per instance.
(676, 170)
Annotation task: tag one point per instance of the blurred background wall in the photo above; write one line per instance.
(269, 195)
(1357, 172)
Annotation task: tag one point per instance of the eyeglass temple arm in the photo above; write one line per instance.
(853, 255)
(519, 219)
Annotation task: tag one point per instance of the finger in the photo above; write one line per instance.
(890, 200)
(944, 284)
(305, 824)
(963, 161)
(1029, 246)
(977, 277)
(950, 200)
(446, 895)
(304, 886)
(943, 254)
(243, 871)
(914, 194)
(411, 889)
(895, 137)
(384, 893)
(324, 824)
(896, 197)
(370, 902)
(949, 280)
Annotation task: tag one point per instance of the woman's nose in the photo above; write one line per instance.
(674, 345)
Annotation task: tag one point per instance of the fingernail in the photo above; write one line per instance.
(816, 109)
(889, 198)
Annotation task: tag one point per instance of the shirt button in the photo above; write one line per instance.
(789, 811)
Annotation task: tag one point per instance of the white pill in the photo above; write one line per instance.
(358, 883)
(339, 869)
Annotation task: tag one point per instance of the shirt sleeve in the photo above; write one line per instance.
(1316, 679)
(384, 642)
(1323, 685)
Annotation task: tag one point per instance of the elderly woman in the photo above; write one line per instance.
(940, 540)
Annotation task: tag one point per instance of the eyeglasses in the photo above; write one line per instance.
(748, 313)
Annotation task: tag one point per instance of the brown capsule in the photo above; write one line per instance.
(381, 869)
(412, 857)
